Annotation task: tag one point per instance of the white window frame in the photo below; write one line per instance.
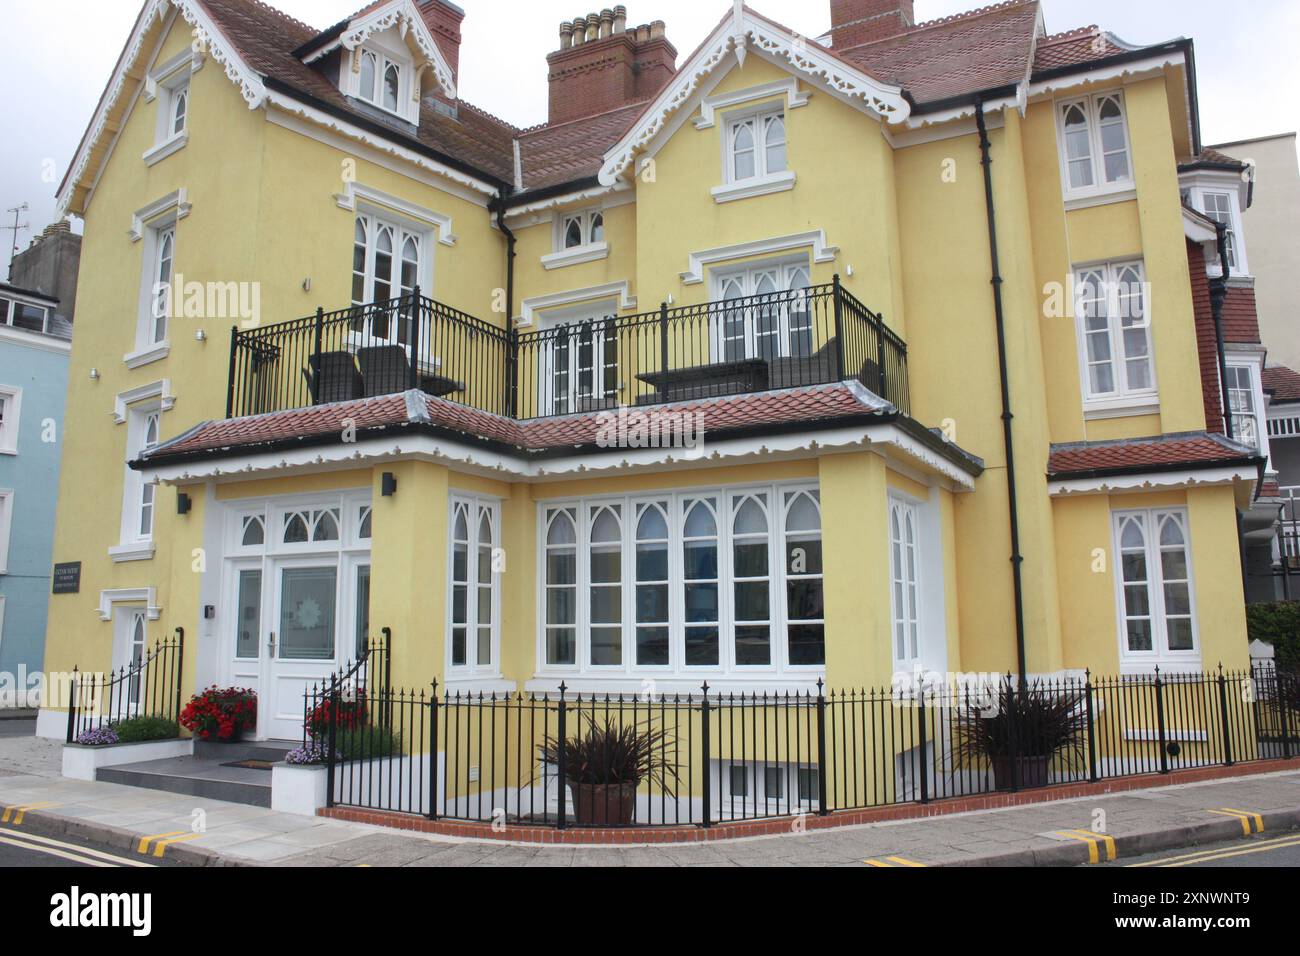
(1091, 105)
(169, 84)
(6, 526)
(1123, 399)
(148, 346)
(476, 506)
(677, 501)
(134, 545)
(9, 303)
(786, 271)
(1251, 365)
(11, 400)
(590, 247)
(407, 107)
(901, 509)
(402, 231)
(1160, 655)
(764, 181)
(1199, 194)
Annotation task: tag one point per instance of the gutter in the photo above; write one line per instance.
(1008, 441)
(498, 206)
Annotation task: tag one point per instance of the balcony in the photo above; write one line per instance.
(811, 336)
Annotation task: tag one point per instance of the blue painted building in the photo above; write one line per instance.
(35, 342)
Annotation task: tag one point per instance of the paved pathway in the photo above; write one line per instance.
(223, 833)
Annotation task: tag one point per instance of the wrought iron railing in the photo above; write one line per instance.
(810, 336)
(366, 678)
(149, 686)
(709, 758)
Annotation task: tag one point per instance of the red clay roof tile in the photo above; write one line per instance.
(1194, 450)
(1283, 383)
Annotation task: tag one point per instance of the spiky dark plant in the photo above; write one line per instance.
(1037, 720)
(611, 752)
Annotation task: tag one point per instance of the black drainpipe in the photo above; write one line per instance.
(1017, 559)
(512, 357)
(1218, 295)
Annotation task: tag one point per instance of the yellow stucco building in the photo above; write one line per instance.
(789, 360)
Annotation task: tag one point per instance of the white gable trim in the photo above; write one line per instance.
(402, 15)
(207, 40)
(729, 44)
(1152, 481)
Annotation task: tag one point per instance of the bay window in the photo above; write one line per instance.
(723, 581)
(1154, 579)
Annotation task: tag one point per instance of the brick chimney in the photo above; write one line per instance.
(854, 22)
(603, 64)
(443, 20)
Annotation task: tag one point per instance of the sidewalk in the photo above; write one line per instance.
(234, 835)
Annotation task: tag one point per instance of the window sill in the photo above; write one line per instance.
(759, 186)
(666, 684)
(1121, 408)
(1085, 199)
(1147, 666)
(137, 551)
(147, 356)
(166, 148)
(479, 685)
(579, 254)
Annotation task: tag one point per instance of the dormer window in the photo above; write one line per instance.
(1219, 196)
(382, 82)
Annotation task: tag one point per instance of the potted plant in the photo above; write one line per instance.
(221, 714)
(605, 764)
(1023, 733)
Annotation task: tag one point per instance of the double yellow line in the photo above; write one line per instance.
(1095, 842)
(161, 841)
(1224, 853)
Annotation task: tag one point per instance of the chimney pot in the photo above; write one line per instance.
(657, 29)
(566, 35)
(620, 18)
(593, 26)
(579, 30)
(606, 23)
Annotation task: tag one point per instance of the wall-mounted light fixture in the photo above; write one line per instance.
(388, 485)
(94, 375)
(200, 336)
(306, 284)
(183, 503)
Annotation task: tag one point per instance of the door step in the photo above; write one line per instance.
(230, 772)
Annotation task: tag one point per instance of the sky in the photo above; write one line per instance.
(1245, 53)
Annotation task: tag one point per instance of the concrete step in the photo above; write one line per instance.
(197, 777)
(273, 750)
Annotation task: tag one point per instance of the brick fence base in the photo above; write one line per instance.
(523, 833)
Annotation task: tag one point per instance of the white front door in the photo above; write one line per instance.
(303, 645)
(767, 321)
(579, 369)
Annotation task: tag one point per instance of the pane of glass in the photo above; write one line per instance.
(701, 560)
(1173, 564)
(368, 71)
(249, 624)
(702, 646)
(1137, 601)
(701, 603)
(1180, 634)
(458, 646)
(327, 527)
(561, 646)
(605, 566)
(29, 317)
(561, 567)
(804, 557)
(652, 526)
(1177, 599)
(753, 646)
(700, 523)
(1171, 533)
(808, 785)
(560, 606)
(485, 605)
(739, 781)
(652, 646)
(295, 530)
(606, 605)
(751, 601)
(572, 234)
(459, 604)
(652, 603)
(803, 516)
(597, 228)
(363, 609)
(804, 600)
(254, 533)
(562, 531)
(751, 519)
(606, 646)
(484, 647)
(807, 644)
(1102, 379)
(751, 560)
(307, 613)
(391, 79)
(1116, 166)
(773, 783)
(1139, 635)
(1134, 566)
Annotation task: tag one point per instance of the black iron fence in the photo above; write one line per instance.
(708, 758)
(148, 686)
(358, 693)
(808, 336)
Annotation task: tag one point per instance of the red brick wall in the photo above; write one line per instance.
(854, 22)
(1240, 317)
(1206, 342)
(603, 75)
(444, 22)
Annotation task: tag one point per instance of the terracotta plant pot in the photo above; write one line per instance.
(1034, 772)
(603, 804)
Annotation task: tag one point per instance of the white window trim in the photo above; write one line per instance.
(1099, 188)
(12, 301)
(1124, 402)
(763, 183)
(585, 251)
(133, 546)
(473, 670)
(408, 89)
(1141, 662)
(726, 673)
(6, 526)
(161, 87)
(147, 225)
(13, 396)
(359, 198)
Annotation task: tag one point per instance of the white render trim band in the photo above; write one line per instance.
(161, 390)
(35, 340)
(697, 261)
(146, 596)
(1150, 481)
(177, 202)
(886, 439)
(530, 307)
(710, 105)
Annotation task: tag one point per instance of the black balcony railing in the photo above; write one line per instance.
(811, 336)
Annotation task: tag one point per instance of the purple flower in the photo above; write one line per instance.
(103, 736)
(305, 756)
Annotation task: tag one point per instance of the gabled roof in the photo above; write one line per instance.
(1282, 383)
